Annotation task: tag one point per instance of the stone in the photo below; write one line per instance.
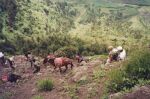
(34, 91)
(83, 63)
(115, 96)
(38, 74)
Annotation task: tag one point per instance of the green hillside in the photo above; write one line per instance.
(53, 25)
(135, 2)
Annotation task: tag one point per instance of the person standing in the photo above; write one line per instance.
(30, 58)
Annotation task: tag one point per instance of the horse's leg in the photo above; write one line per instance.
(37, 69)
(12, 67)
(71, 65)
(55, 67)
(31, 63)
(66, 67)
(78, 60)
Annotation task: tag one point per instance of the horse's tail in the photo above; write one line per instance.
(71, 63)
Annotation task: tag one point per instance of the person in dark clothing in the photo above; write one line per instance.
(13, 77)
(11, 64)
(30, 58)
(79, 57)
(10, 77)
(36, 66)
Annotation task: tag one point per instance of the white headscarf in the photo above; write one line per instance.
(119, 48)
(1, 54)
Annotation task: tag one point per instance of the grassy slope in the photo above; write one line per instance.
(96, 20)
(136, 2)
(131, 13)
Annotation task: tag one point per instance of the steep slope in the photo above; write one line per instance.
(47, 24)
(30, 22)
(135, 2)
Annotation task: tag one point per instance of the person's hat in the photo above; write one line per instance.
(1, 54)
(119, 48)
(115, 50)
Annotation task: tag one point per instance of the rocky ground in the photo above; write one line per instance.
(84, 81)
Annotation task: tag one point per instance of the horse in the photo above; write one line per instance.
(59, 62)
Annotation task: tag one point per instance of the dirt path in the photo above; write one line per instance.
(63, 83)
(79, 83)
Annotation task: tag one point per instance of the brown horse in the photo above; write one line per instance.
(59, 62)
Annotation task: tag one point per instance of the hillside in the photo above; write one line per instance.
(134, 2)
(34, 23)
(65, 28)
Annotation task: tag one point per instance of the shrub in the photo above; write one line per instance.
(37, 97)
(134, 71)
(60, 53)
(98, 74)
(95, 48)
(69, 51)
(138, 66)
(116, 79)
(85, 53)
(120, 84)
(72, 91)
(45, 85)
(6, 95)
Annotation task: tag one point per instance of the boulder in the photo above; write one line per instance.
(83, 63)
(79, 73)
(115, 96)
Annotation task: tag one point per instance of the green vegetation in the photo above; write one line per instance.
(135, 2)
(7, 95)
(134, 71)
(45, 85)
(98, 74)
(138, 66)
(91, 93)
(66, 27)
(37, 97)
(50, 26)
(72, 91)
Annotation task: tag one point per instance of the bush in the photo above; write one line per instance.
(119, 81)
(138, 66)
(94, 49)
(37, 97)
(135, 71)
(6, 95)
(116, 78)
(98, 74)
(68, 51)
(45, 85)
